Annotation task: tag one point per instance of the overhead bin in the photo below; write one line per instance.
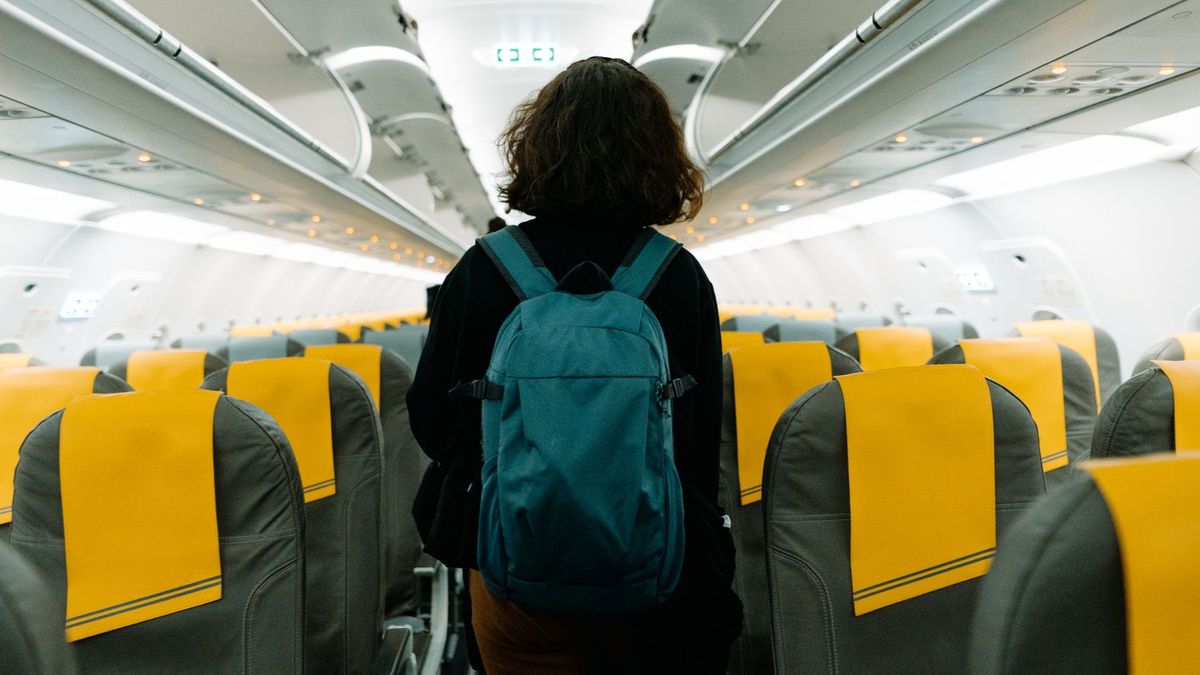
(72, 62)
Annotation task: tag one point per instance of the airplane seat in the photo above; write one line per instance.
(31, 638)
(756, 323)
(109, 354)
(891, 346)
(1111, 553)
(18, 360)
(29, 395)
(1052, 381)
(123, 499)
(732, 339)
(802, 330)
(869, 570)
(328, 414)
(946, 326)
(1156, 410)
(407, 341)
(310, 337)
(1094, 344)
(209, 343)
(389, 378)
(252, 348)
(768, 378)
(848, 322)
(1178, 347)
(167, 369)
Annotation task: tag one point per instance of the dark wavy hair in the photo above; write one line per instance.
(599, 141)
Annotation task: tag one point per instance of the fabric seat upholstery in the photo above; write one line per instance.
(256, 626)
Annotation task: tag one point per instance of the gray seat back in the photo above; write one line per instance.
(403, 467)
(848, 322)
(802, 330)
(1079, 405)
(252, 348)
(318, 336)
(212, 364)
(256, 626)
(755, 323)
(1170, 349)
(209, 343)
(1108, 363)
(1054, 600)
(407, 341)
(807, 521)
(946, 326)
(31, 634)
(1138, 419)
(111, 353)
(752, 651)
(343, 555)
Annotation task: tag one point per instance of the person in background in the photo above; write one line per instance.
(595, 157)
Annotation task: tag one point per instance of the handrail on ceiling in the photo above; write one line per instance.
(875, 25)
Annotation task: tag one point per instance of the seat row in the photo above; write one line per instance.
(246, 518)
(350, 325)
(867, 506)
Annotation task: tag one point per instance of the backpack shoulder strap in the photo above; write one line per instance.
(518, 262)
(648, 258)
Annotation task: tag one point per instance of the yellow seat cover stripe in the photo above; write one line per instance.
(1031, 368)
(351, 330)
(139, 508)
(921, 462)
(27, 396)
(1190, 342)
(766, 379)
(155, 370)
(733, 339)
(362, 360)
(295, 392)
(894, 347)
(10, 360)
(1185, 387)
(1078, 336)
(251, 331)
(1154, 501)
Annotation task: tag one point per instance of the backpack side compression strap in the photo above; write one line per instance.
(518, 262)
(644, 266)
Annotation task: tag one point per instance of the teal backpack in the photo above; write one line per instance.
(581, 510)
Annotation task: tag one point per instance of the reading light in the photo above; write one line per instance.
(144, 157)
(198, 201)
(855, 183)
(349, 230)
(744, 206)
(901, 139)
(255, 197)
(1059, 68)
(713, 220)
(799, 182)
(64, 163)
(690, 230)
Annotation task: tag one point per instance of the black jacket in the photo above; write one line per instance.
(473, 302)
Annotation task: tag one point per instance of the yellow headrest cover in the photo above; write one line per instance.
(766, 379)
(27, 396)
(894, 347)
(9, 360)
(351, 330)
(1031, 368)
(251, 331)
(921, 458)
(731, 339)
(1190, 342)
(1154, 501)
(153, 370)
(1185, 386)
(1078, 336)
(139, 507)
(295, 392)
(362, 360)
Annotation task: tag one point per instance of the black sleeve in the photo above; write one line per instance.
(470, 306)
